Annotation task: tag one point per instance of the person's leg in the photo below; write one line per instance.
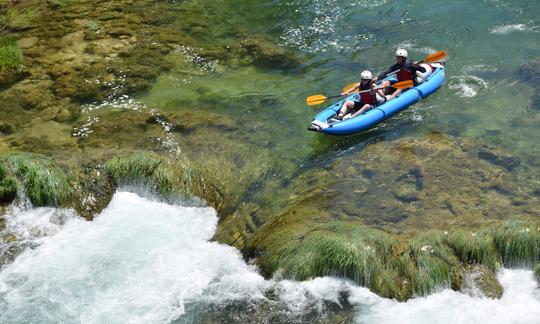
(364, 108)
(395, 94)
(347, 105)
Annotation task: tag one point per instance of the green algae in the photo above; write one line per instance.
(369, 257)
(10, 54)
(44, 183)
(518, 241)
(163, 177)
(474, 247)
(145, 169)
(8, 186)
(437, 266)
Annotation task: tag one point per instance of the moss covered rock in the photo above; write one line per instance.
(44, 183)
(518, 241)
(479, 281)
(162, 176)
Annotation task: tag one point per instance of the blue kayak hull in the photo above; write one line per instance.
(376, 115)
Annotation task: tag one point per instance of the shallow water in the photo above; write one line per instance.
(142, 261)
(483, 97)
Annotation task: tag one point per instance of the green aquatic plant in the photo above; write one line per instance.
(474, 247)
(14, 18)
(158, 174)
(145, 169)
(10, 54)
(348, 249)
(518, 241)
(8, 186)
(436, 263)
(44, 183)
(537, 271)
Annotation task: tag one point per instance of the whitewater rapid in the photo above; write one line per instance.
(142, 261)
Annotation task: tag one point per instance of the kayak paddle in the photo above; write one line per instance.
(319, 99)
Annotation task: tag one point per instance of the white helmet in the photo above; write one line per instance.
(401, 52)
(366, 75)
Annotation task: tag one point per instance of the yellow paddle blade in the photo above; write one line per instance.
(349, 87)
(435, 57)
(315, 100)
(403, 84)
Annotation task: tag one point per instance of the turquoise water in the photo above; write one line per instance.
(483, 97)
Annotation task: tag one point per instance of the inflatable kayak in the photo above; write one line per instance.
(321, 122)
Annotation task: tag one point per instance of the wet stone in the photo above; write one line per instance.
(479, 281)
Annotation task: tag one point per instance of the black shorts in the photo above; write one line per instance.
(357, 106)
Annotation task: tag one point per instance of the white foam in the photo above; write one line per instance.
(467, 86)
(142, 261)
(519, 304)
(139, 261)
(507, 29)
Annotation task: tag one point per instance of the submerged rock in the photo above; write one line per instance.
(479, 281)
(530, 74)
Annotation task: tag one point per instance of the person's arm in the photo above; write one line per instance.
(382, 75)
(381, 93)
(417, 67)
(357, 86)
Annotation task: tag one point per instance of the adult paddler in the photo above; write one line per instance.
(404, 69)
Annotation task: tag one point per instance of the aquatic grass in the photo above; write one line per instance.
(322, 253)
(145, 169)
(8, 186)
(437, 266)
(370, 257)
(474, 247)
(10, 54)
(156, 173)
(537, 271)
(45, 184)
(518, 241)
(14, 18)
